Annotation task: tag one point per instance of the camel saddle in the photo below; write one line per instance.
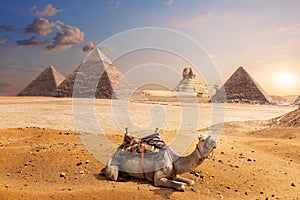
(150, 143)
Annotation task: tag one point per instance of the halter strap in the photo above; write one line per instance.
(202, 158)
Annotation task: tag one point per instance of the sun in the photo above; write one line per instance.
(286, 79)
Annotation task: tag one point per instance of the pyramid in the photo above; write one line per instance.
(297, 101)
(44, 84)
(241, 88)
(96, 77)
(65, 89)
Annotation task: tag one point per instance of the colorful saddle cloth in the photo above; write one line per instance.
(150, 143)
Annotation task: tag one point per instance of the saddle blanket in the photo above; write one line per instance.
(150, 143)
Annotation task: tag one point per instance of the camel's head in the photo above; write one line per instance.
(206, 145)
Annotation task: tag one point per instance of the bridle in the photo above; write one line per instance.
(202, 157)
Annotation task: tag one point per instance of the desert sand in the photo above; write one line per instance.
(42, 156)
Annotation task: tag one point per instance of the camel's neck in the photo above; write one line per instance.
(183, 164)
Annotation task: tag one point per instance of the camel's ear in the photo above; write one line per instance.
(202, 137)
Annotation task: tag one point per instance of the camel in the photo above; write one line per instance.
(161, 168)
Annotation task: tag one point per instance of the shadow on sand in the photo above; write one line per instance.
(100, 177)
(163, 192)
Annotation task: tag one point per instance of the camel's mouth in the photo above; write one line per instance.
(211, 150)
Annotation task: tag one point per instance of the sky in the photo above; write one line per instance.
(261, 36)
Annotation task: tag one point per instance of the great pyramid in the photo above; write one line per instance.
(241, 88)
(297, 101)
(44, 84)
(96, 77)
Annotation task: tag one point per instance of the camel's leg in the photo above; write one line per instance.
(123, 176)
(184, 180)
(160, 179)
(164, 182)
(111, 172)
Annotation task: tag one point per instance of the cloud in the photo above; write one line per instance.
(33, 41)
(4, 86)
(39, 26)
(3, 41)
(33, 8)
(48, 10)
(115, 3)
(294, 28)
(7, 28)
(195, 21)
(90, 46)
(65, 37)
(169, 2)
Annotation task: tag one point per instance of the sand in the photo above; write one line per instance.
(252, 160)
(57, 113)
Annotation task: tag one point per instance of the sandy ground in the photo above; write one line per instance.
(57, 113)
(252, 160)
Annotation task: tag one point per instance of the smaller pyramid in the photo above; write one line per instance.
(297, 101)
(241, 88)
(44, 84)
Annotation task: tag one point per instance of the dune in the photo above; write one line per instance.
(291, 119)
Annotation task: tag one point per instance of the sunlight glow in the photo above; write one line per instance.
(286, 79)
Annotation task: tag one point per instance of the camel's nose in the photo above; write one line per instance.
(214, 144)
(211, 143)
